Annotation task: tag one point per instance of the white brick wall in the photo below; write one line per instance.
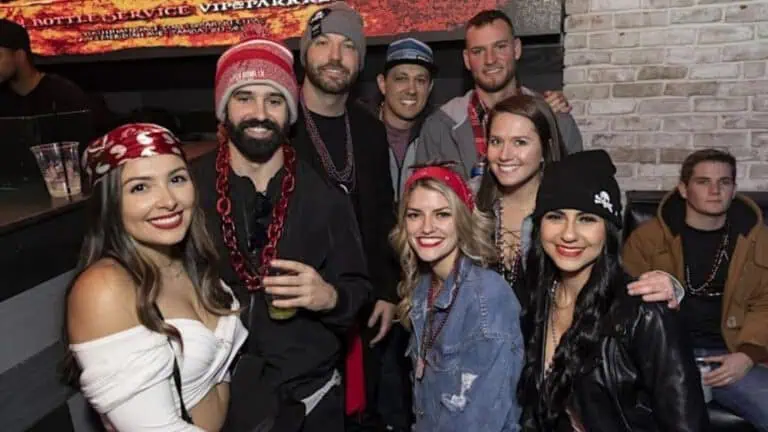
(653, 80)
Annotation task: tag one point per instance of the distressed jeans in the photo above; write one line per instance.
(747, 397)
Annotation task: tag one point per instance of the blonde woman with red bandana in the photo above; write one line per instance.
(466, 345)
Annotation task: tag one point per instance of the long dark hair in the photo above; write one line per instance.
(546, 398)
(106, 238)
(535, 109)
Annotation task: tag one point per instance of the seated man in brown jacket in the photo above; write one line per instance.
(714, 240)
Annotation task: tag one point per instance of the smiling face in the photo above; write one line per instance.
(257, 116)
(332, 63)
(406, 88)
(431, 226)
(491, 55)
(514, 149)
(573, 240)
(158, 200)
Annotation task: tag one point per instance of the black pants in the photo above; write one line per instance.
(395, 390)
(387, 385)
(328, 415)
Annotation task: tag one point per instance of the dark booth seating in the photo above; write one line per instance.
(641, 206)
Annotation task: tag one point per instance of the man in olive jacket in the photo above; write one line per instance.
(715, 240)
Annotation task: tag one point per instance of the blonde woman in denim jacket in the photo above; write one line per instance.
(466, 345)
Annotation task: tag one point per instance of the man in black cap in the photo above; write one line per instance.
(25, 91)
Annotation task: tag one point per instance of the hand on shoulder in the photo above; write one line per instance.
(101, 302)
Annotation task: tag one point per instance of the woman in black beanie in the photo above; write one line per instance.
(597, 359)
(523, 140)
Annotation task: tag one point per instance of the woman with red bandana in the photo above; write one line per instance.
(151, 326)
(466, 345)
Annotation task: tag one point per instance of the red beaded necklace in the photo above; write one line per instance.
(224, 208)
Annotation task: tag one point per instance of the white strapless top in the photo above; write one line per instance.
(129, 375)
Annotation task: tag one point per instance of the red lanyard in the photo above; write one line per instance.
(478, 126)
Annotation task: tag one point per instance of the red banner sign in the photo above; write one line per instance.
(73, 27)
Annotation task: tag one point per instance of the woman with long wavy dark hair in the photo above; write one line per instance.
(150, 325)
(466, 345)
(596, 358)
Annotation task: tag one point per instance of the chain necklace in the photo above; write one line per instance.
(509, 272)
(430, 332)
(721, 256)
(552, 318)
(274, 231)
(346, 177)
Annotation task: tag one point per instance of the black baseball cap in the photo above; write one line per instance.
(14, 36)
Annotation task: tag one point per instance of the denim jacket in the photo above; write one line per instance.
(471, 373)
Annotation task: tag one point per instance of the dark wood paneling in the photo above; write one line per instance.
(33, 390)
(196, 72)
(540, 68)
(57, 420)
(40, 251)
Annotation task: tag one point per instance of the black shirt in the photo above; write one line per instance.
(372, 196)
(53, 94)
(702, 309)
(333, 131)
(57, 95)
(320, 230)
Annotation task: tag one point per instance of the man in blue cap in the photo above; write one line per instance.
(405, 84)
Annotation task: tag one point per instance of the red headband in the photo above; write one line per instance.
(447, 177)
(126, 143)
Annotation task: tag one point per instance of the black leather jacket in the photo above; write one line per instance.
(643, 376)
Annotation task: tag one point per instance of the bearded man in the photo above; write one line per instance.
(289, 242)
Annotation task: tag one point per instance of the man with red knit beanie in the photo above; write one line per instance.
(289, 242)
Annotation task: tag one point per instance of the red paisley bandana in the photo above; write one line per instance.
(447, 177)
(126, 143)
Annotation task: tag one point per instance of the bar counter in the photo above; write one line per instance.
(31, 204)
(40, 239)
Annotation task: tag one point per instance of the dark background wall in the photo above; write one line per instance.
(183, 86)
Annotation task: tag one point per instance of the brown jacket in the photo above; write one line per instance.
(657, 245)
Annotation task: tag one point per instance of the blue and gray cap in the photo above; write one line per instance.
(410, 51)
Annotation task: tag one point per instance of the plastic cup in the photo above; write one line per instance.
(60, 167)
(279, 314)
(275, 313)
(703, 369)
